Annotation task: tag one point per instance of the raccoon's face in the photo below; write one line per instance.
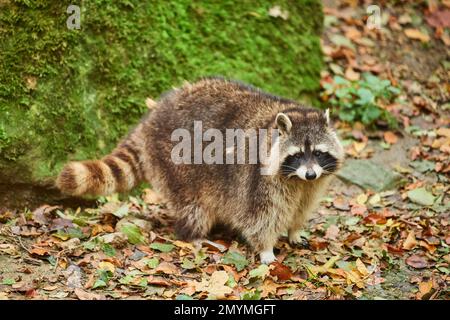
(309, 147)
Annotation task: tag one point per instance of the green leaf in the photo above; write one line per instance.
(231, 282)
(340, 40)
(122, 211)
(99, 283)
(236, 259)
(108, 250)
(371, 113)
(127, 279)
(422, 166)
(351, 221)
(188, 264)
(200, 257)
(261, 272)
(421, 196)
(340, 80)
(252, 295)
(183, 297)
(163, 247)
(347, 115)
(152, 262)
(90, 245)
(133, 233)
(365, 96)
(8, 281)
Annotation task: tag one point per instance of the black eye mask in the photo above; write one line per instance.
(326, 161)
(323, 159)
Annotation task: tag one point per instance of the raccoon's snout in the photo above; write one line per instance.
(310, 174)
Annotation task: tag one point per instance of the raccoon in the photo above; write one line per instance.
(259, 206)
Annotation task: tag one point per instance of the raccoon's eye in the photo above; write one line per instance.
(317, 153)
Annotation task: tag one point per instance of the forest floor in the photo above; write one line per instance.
(385, 241)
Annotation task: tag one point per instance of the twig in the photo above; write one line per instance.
(411, 223)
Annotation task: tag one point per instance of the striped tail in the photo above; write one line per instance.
(118, 172)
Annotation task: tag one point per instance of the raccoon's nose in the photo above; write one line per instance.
(310, 175)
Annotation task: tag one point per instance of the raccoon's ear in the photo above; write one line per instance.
(284, 124)
(327, 116)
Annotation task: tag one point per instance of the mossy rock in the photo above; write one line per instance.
(71, 94)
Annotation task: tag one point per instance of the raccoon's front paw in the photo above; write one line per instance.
(296, 239)
(267, 256)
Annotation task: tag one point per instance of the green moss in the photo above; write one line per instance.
(71, 94)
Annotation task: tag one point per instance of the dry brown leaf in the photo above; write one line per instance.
(410, 241)
(332, 232)
(417, 261)
(108, 266)
(361, 268)
(215, 285)
(390, 137)
(443, 132)
(416, 35)
(281, 271)
(424, 288)
(352, 75)
(167, 268)
(39, 251)
(84, 295)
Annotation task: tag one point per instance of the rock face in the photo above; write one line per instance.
(369, 175)
(69, 94)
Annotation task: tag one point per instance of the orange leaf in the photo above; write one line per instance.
(281, 271)
(390, 137)
(417, 35)
(375, 219)
(410, 241)
(39, 251)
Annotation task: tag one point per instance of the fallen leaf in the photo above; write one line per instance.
(424, 288)
(417, 261)
(133, 233)
(375, 218)
(318, 244)
(361, 267)
(362, 198)
(341, 204)
(215, 285)
(108, 266)
(159, 281)
(235, 258)
(417, 35)
(421, 196)
(281, 271)
(84, 295)
(40, 251)
(390, 137)
(260, 272)
(352, 75)
(439, 19)
(332, 232)
(410, 241)
(167, 268)
(445, 132)
(163, 247)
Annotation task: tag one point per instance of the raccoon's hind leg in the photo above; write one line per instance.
(194, 223)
